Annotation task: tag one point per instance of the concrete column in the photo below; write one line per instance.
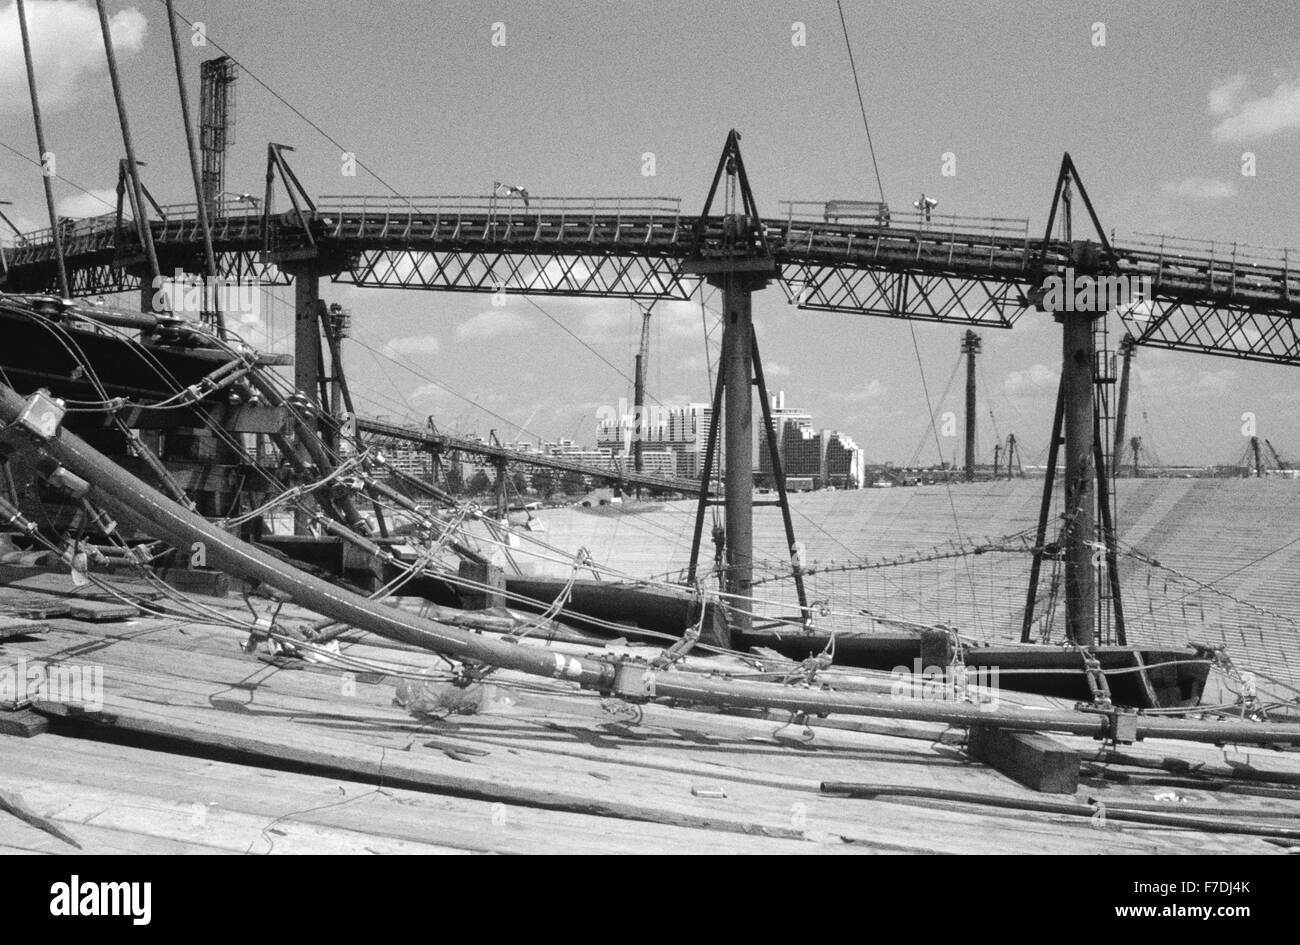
(306, 353)
(1077, 357)
(738, 366)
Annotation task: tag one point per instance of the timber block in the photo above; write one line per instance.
(1032, 758)
(478, 598)
(23, 723)
(936, 648)
(18, 626)
(94, 611)
(35, 607)
(199, 581)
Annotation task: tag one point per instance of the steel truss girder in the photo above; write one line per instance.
(925, 296)
(250, 265)
(1233, 331)
(102, 279)
(106, 278)
(591, 274)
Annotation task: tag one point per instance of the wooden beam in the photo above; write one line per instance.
(23, 723)
(1032, 758)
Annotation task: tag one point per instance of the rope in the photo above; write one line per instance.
(861, 104)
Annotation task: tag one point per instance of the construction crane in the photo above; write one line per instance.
(1278, 462)
(970, 346)
(216, 127)
(1012, 453)
(638, 391)
(1126, 347)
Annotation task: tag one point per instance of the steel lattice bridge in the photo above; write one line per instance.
(1208, 297)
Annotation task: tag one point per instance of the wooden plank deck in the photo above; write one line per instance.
(200, 747)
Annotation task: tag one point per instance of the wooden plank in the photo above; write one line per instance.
(198, 581)
(69, 805)
(23, 723)
(95, 611)
(1035, 760)
(34, 606)
(18, 837)
(17, 626)
(462, 823)
(61, 585)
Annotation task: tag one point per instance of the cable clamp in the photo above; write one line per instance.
(1121, 724)
(634, 681)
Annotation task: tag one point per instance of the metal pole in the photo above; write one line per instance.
(1044, 510)
(306, 360)
(1108, 535)
(638, 394)
(209, 255)
(778, 473)
(971, 346)
(710, 451)
(1077, 356)
(142, 223)
(40, 146)
(737, 352)
(1117, 456)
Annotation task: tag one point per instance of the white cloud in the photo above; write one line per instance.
(426, 345)
(680, 319)
(1254, 117)
(670, 321)
(777, 369)
(1031, 381)
(872, 390)
(1224, 96)
(1200, 188)
(491, 324)
(93, 204)
(426, 395)
(67, 50)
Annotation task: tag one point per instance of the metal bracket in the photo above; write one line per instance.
(1121, 726)
(634, 681)
(42, 415)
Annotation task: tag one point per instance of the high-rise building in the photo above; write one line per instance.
(822, 457)
(675, 436)
(412, 460)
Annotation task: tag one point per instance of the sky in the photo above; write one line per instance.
(1157, 120)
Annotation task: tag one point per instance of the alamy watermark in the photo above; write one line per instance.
(953, 683)
(80, 898)
(1072, 292)
(633, 423)
(186, 293)
(22, 682)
